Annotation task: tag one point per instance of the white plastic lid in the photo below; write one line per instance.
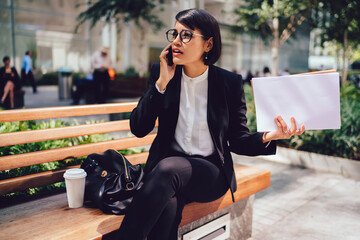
(75, 173)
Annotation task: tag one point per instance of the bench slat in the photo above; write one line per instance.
(62, 222)
(50, 177)
(249, 180)
(57, 112)
(28, 159)
(13, 138)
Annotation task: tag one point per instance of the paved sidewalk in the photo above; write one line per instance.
(305, 204)
(300, 204)
(48, 96)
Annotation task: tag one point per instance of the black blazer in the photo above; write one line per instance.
(225, 115)
(4, 77)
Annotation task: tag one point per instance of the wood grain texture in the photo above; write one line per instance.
(50, 218)
(49, 177)
(28, 159)
(7, 139)
(57, 112)
(317, 72)
(249, 180)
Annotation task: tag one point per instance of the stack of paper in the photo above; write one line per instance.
(313, 100)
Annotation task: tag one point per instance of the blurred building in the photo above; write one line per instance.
(46, 27)
(327, 57)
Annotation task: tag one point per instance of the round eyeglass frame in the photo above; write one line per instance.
(181, 37)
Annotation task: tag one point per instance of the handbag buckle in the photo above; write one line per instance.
(130, 186)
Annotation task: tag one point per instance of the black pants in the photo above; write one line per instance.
(157, 208)
(29, 77)
(101, 85)
(83, 86)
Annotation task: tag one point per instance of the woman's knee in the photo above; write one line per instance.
(170, 174)
(171, 166)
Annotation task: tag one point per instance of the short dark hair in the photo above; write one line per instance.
(6, 58)
(266, 69)
(207, 25)
(27, 52)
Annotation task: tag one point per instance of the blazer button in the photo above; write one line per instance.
(151, 96)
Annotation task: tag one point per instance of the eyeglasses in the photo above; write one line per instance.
(185, 35)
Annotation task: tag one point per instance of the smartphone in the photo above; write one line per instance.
(169, 57)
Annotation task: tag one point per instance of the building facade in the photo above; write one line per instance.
(46, 27)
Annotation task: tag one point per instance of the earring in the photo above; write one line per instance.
(206, 55)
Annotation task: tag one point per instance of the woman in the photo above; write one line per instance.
(201, 111)
(9, 78)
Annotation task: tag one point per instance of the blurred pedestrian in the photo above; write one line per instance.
(81, 86)
(248, 78)
(101, 62)
(266, 72)
(357, 81)
(9, 81)
(27, 71)
(286, 72)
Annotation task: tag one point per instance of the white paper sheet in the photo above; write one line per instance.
(313, 100)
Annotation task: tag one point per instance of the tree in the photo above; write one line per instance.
(275, 21)
(139, 11)
(339, 22)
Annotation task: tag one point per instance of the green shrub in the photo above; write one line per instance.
(250, 105)
(38, 146)
(355, 72)
(344, 142)
(131, 71)
(51, 78)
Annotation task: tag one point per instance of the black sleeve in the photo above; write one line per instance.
(241, 141)
(16, 78)
(143, 117)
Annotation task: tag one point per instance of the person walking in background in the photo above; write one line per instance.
(286, 72)
(266, 72)
(101, 62)
(27, 71)
(9, 80)
(248, 78)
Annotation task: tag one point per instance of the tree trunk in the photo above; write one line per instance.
(276, 41)
(345, 58)
(142, 50)
(337, 56)
(275, 57)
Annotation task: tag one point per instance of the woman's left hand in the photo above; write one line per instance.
(283, 132)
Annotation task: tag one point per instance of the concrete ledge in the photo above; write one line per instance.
(240, 224)
(343, 166)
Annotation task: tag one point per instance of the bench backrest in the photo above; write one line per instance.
(51, 155)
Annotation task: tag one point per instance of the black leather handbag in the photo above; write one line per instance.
(111, 181)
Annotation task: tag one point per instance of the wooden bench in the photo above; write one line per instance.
(50, 217)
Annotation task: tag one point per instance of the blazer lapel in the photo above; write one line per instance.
(172, 102)
(218, 117)
(172, 93)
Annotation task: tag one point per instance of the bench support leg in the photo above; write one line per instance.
(241, 214)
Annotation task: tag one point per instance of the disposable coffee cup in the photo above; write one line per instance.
(75, 186)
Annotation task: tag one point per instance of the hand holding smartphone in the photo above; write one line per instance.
(169, 57)
(166, 73)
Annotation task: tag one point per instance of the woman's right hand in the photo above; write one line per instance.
(166, 72)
